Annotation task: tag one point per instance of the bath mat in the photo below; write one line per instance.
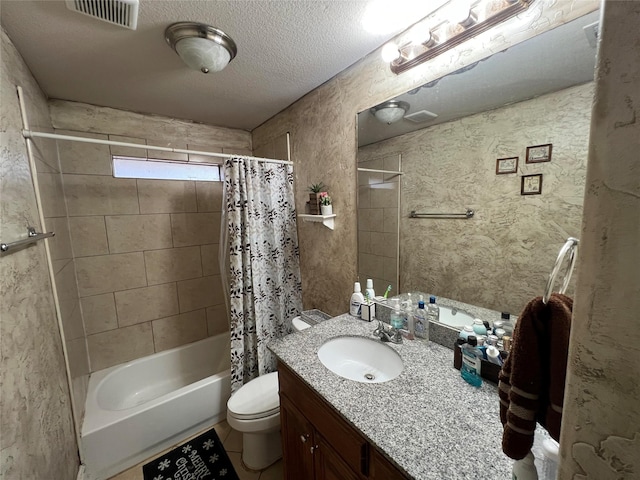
(201, 458)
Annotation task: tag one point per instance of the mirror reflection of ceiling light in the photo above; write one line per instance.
(447, 27)
(390, 112)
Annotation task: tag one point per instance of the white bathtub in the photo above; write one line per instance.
(137, 409)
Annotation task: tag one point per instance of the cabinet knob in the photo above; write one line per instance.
(304, 437)
(312, 449)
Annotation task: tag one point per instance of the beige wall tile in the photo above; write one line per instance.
(78, 357)
(127, 151)
(134, 233)
(385, 195)
(110, 273)
(121, 345)
(194, 157)
(147, 303)
(209, 196)
(45, 153)
(180, 329)
(210, 263)
(390, 220)
(159, 154)
(52, 195)
(169, 265)
(99, 313)
(217, 319)
(200, 293)
(167, 196)
(60, 244)
(195, 228)
(68, 300)
(86, 158)
(100, 195)
(88, 236)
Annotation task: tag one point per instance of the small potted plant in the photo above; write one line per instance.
(325, 204)
(314, 197)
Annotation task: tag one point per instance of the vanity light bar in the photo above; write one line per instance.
(414, 53)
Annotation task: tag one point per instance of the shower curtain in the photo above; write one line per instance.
(259, 245)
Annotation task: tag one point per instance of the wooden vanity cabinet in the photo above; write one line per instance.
(319, 444)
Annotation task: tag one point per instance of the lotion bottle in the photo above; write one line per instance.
(357, 299)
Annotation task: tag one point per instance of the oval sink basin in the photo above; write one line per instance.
(457, 319)
(361, 359)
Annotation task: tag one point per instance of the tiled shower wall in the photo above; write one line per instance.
(378, 210)
(146, 251)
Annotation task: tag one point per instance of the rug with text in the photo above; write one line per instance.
(201, 458)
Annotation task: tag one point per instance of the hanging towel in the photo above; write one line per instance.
(531, 382)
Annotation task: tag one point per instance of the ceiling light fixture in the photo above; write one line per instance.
(447, 27)
(202, 47)
(390, 112)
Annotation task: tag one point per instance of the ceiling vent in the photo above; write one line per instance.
(421, 116)
(119, 12)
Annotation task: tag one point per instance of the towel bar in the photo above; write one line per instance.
(467, 214)
(32, 237)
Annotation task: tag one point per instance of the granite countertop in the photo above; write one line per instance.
(429, 421)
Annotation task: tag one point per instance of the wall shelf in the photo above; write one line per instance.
(327, 220)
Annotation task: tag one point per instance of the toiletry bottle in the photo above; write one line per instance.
(507, 323)
(478, 327)
(471, 361)
(420, 321)
(356, 300)
(370, 289)
(410, 331)
(433, 311)
(396, 319)
(465, 332)
(525, 469)
(493, 355)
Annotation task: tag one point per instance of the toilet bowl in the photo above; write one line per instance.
(254, 410)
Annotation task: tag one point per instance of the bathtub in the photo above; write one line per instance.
(137, 409)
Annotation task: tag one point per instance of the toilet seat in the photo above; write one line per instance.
(256, 399)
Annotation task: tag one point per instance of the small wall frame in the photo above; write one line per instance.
(531, 184)
(506, 165)
(539, 153)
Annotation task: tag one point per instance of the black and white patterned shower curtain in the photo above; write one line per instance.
(263, 265)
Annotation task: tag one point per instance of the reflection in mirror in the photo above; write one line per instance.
(535, 93)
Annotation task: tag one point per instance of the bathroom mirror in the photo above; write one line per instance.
(451, 145)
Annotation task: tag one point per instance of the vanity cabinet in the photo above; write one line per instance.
(319, 444)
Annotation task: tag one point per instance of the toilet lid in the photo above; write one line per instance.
(256, 399)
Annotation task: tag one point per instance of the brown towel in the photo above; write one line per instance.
(531, 382)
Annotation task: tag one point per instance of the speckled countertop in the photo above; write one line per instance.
(428, 420)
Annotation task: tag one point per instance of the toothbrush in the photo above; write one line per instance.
(387, 292)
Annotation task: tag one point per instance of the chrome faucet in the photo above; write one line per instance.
(389, 334)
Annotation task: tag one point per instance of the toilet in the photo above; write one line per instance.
(254, 410)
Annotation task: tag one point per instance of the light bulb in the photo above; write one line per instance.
(390, 52)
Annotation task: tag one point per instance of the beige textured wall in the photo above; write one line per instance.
(511, 244)
(146, 251)
(37, 436)
(601, 426)
(324, 147)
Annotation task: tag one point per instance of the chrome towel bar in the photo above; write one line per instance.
(32, 237)
(467, 214)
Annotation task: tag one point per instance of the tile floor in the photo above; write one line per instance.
(232, 442)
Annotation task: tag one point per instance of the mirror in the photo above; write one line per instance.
(536, 93)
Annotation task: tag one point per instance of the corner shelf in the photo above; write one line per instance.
(327, 220)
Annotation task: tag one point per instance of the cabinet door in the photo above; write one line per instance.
(297, 442)
(329, 465)
(382, 469)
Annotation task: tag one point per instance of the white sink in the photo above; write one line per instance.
(361, 359)
(457, 319)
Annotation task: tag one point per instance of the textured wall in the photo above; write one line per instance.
(510, 245)
(601, 427)
(36, 428)
(146, 251)
(324, 146)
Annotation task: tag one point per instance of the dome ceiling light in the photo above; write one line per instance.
(390, 112)
(202, 47)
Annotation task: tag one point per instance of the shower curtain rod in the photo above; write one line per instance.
(56, 136)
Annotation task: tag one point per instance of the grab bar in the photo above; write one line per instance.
(32, 237)
(570, 247)
(467, 214)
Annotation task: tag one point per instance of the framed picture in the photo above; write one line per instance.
(539, 153)
(506, 165)
(531, 184)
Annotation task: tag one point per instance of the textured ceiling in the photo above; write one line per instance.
(285, 50)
